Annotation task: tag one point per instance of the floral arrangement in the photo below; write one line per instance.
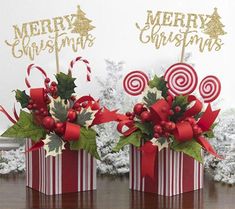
(54, 118)
(169, 115)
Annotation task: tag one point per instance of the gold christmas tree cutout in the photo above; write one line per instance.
(82, 24)
(214, 27)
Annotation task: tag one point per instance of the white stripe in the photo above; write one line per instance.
(134, 174)
(138, 172)
(130, 166)
(79, 175)
(89, 171)
(159, 174)
(162, 172)
(167, 172)
(60, 174)
(51, 174)
(171, 174)
(181, 177)
(94, 173)
(84, 170)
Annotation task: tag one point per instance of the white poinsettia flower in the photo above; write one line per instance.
(160, 143)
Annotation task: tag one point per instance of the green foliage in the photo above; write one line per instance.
(59, 109)
(85, 117)
(22, 98)
(160, 84)
(25, 128)
(191, 148)
(87, 142)
(145, 128)
(210, 134)
(134, 139)
(66, 85)
(150, 98)
(182, 102)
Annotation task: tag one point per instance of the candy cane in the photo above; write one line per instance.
(29, 69)
(210, 88)
(181, 79)
(135, 82)
(85, 62)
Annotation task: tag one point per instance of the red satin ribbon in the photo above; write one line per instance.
(72, 132)
(195, 109)
(148, 154)
(37, 95)
(208, 118)
(183, 131)
(160, 111)
(128, 123)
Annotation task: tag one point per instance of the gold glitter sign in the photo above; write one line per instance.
(200, 30)
(72, 31)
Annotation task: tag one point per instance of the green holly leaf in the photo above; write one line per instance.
(66, 85)
(134, 139)
(53, 145)
(150, 96)
(25, 128)
(59, 109)
(22, 98)
(87, 141)
(160, 84)
(145, 128)
(182, 102)
(191, 148)
(86, 117)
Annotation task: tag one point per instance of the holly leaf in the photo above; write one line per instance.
(160, 143)
(59, 109)
(150, 96)
(182, 102)
(160, 84)
(53, 145)
(145, 128)
(87, 141)
(22, 98)
(66, 85)
(191, 148)
(134, 139)
(25, 128)
(86, 117)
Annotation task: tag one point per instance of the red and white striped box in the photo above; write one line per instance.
(72, 171)
(175, 173)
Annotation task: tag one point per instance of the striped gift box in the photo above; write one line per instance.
(175, 173)
(72, 171)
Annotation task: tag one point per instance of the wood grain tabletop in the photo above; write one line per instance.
(113, 193)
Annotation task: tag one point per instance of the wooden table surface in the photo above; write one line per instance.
(113, 193)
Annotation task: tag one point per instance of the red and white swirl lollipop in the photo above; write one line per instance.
(210, 88)
(181, 79)
(135, 82)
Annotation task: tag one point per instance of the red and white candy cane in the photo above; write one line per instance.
(29, 69)
(135, 82)
(210, 88)
(181, 79)
(86, 62)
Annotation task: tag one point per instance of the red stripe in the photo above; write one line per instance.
(141, 178)
(132, 167)
(35, 170)
(69, 171)
(164, 163)
(81, 170)
(199, 175)
(173, 173)
(53, 170)
(188, 173)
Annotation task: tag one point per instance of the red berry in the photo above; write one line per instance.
(37, 112)
(78, 109)
(128, 114)
(132, 117)
(156, 135)
(73, 98)
(42, 110)
(48, 122)
(145, 116)
(71, 115)
(31, 101)
(53, 89)
(35, 106)
(177, 109)
(172, 126)
(138, 108)
(47, 80)
(59, 128)
(45, 113)
(167, 134)
(191, 120)
(30, 107)
(163, 123)
(157, 129)
(171, 112)
(169, 98)
(53, 83)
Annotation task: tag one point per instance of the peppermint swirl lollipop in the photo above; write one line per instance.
(181, 79)
(210, 88)
(135, 82)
